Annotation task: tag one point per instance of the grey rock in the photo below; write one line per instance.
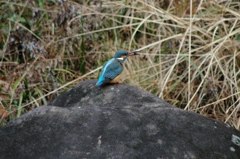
(115, 122)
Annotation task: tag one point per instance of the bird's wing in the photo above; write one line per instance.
(112, 69)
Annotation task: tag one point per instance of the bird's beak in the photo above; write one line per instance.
(133, 53)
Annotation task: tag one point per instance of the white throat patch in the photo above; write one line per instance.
(120, 58)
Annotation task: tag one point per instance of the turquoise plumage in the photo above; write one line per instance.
(113, 68)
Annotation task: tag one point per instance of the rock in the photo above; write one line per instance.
(116, 121)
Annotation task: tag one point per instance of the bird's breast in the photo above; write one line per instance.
(115, 80)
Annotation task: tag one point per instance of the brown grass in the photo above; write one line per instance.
(190, 51)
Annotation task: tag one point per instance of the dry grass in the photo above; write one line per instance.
(190, 57)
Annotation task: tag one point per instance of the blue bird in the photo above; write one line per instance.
(113, 68)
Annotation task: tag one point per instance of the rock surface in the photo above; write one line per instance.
(116, 121)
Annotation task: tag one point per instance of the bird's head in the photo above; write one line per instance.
(122, 55)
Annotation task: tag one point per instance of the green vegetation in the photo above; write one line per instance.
(190, 57)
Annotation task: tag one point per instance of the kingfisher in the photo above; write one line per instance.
(113, 68)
